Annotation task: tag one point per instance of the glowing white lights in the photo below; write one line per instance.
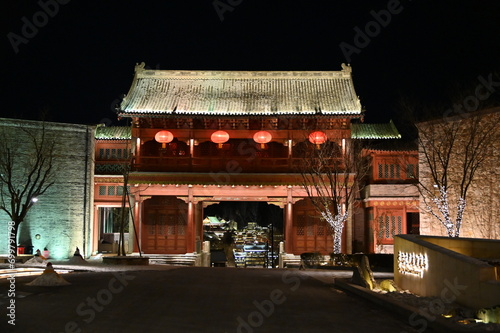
(412, 263)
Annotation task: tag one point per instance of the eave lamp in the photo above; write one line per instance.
(262, 137)
(164, 137)
(219, 138)
(317, 138)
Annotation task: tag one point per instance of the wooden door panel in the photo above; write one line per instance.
(310, 233)
(164, 229)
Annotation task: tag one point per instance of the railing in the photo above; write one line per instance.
(109, 167)
(215, 164)
(206, 164)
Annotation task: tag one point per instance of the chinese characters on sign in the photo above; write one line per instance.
(412, 263)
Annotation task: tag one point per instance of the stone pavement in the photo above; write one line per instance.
(195, 299)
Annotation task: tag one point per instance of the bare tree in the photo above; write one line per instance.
(452, 150)
(331, 175)
(27, 171)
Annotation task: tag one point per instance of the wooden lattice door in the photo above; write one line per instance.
(310, 233)
(164, 228)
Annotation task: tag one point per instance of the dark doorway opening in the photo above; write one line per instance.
(413, 223)
(243, 234)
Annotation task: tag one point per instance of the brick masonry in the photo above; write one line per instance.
(63, 215)
(482, 213)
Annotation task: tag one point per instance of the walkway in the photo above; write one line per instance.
(195, 299)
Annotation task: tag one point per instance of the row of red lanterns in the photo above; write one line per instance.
(221, 137)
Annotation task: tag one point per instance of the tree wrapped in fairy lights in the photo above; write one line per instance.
(331, 170)
(452, 150)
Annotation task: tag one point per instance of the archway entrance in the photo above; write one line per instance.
(243, 234)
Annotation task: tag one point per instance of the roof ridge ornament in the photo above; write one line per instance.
(140, 67)
(346, 68)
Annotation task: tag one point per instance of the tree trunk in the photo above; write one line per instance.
(337, 241)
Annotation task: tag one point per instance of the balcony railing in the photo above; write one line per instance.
(206, 164)
(215, 164)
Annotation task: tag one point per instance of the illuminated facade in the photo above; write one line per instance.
(390, 198)
(482, 212)
(200, 138)
(62, 219)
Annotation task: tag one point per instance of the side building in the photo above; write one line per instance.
(62, 218)
(390, 197)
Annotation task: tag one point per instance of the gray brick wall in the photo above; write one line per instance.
(63, 215)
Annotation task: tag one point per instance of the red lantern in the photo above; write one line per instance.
(219, 137)
(317, 138)
(262, 137)
(164, 137)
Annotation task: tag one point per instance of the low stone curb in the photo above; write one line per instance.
(404, 310)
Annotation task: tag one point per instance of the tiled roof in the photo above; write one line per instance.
(168, 92)
(113, 133)
(374, 131)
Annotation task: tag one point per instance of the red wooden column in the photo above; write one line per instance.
(138, 212)
(191, 225)
(198, 224)
(289, 222)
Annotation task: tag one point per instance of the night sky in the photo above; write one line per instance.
(79, 61)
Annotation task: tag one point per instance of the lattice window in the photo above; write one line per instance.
(321, 230)
(389, 225)
(393, 226)
(300, 227)
(101, 153)
(171, 225)
(102, 190)
(389, 171)
(151, 224)
(181, 226)
(151, 229)
(310, 227)
(111, 190)
(410, 171)
(162, 220)
(381, 227)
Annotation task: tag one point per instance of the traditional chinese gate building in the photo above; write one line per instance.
(202, 137)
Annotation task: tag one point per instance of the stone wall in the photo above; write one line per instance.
(482, 213)
(61, 220)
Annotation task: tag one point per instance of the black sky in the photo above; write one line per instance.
(80, 63)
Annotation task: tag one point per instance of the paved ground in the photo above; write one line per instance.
(195, 299)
